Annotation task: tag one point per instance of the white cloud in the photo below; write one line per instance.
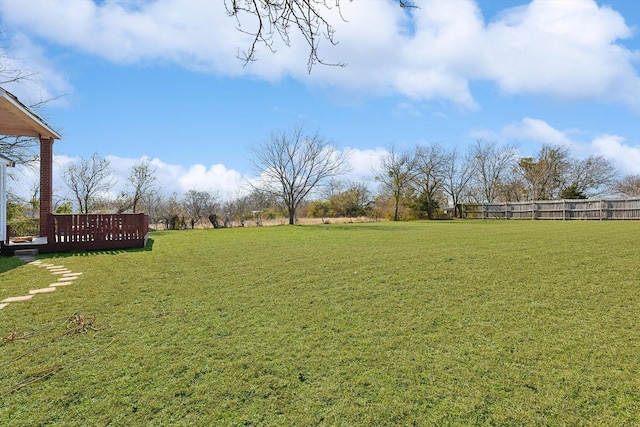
(613, 147)
(186, 32)
(363, 163)
(536, 130)
(216, 178)
(561, 48)
(180, 179)
(539, 48)
(407, 108)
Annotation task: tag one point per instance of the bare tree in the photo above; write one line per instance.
(458, 173)
(89, 179)
(589, 177)
(280, 17)
(628, 186)
(198, 205)
(492, 164)
(143, 180)
(333, 188)
(238, 209)
(20, 149)
(292, 164)
(153, 203)
(396, 173)
(430, 173)
(171, 212)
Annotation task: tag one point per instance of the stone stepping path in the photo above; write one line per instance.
(66, 278)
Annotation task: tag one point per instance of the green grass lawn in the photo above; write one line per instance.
(27, 279)
(419, 323)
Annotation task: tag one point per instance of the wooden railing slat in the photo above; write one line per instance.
(90, 228)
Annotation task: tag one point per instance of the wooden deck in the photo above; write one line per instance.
(89, 232)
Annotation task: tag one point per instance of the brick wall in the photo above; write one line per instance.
(46, 185)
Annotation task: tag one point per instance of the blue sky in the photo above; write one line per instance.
(160, 79)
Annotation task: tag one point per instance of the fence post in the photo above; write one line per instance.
(533, 210)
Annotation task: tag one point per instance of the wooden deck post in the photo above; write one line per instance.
(46, 185)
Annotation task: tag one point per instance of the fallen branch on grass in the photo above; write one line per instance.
(77, 323)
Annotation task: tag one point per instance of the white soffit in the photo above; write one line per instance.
(18, 120)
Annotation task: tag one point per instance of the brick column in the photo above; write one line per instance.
(46, 186)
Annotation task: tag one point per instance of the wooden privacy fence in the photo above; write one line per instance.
(605, 209)
(75, 232)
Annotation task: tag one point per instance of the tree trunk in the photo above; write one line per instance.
(292, 216)
(395, 212)
(213, 218)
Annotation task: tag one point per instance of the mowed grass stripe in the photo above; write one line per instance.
(425, 323)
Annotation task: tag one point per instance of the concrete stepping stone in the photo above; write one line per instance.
(66, 279)
(41, 291)
(18, 299)
(53, 285)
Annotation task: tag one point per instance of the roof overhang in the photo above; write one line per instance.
(16, 119)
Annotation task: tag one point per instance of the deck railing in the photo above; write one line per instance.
(70, 232)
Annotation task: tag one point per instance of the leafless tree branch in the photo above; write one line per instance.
(281, 17)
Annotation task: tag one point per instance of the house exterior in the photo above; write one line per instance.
(16, 119)
(60, 233)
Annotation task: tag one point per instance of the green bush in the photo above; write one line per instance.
(20, 219)
(23, 227)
